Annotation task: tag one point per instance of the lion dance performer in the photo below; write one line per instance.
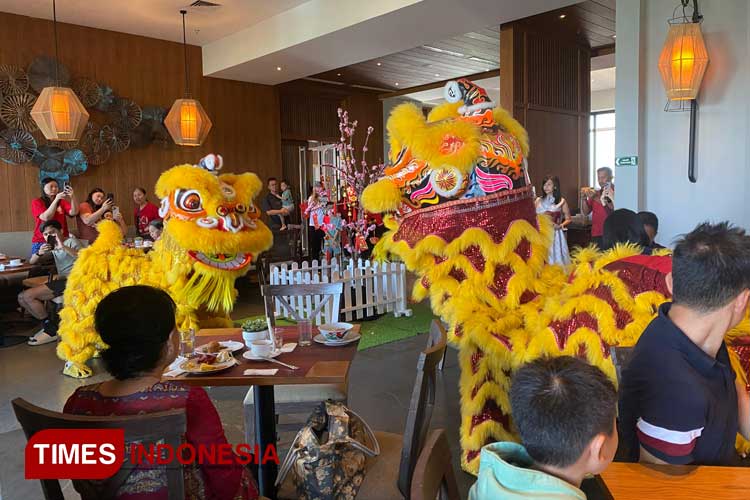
(462, 218)
(211, 234)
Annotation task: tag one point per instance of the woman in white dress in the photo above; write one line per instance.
(554, 205)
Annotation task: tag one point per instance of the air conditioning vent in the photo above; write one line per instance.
(204, 3)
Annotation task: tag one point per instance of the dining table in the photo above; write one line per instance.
(638, 481)
(316, 364)
(10, 277)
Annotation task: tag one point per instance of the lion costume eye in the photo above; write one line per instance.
(189, 201)
(240, 208)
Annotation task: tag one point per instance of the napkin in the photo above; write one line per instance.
(288, 347)
(173, 370)
(265, 372)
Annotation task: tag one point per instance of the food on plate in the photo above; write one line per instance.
(212, 347)
(223, 356)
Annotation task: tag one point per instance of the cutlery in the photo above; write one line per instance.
(291, 367)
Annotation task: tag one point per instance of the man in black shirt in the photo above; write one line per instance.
(681, 402)
(271, 205)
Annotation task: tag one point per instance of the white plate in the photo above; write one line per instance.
(14, 265)
(252, 357)
(348, 339)
(232, 345)
(216, 367)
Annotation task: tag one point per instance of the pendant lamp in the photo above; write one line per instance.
(57, 111)
(187, 121)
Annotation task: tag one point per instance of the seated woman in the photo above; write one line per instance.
(624, 226)
(138, 325)
(155, 228)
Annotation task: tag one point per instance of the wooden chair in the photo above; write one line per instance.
(389, 475)
(168, 426)
(321, 301)
(621, 357)
(433, 475)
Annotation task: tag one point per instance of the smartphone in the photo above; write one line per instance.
(115, 211)
(111, 196)
(52, 241)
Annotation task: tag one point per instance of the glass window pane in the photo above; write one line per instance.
(605, 120)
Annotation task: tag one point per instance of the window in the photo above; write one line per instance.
(601, 143)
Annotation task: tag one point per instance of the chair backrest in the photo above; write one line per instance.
(168, 426)
(316, 301)
(433, 474)
(621, 357)
(421, 405)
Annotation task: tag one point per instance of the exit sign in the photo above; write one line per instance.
(626, 161)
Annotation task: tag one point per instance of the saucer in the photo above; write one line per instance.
(252, 357)
(348, 339)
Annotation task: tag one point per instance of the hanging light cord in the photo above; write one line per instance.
(184, 46)
(57, 57)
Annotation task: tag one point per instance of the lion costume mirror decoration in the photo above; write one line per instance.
(462, 218)
(211, 234)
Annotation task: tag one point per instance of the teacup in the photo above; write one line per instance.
(14, 262)
(261, 348)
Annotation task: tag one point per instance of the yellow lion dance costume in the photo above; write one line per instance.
(211, 234)
(464, 221)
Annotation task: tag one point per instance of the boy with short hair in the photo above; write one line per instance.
(564, 410)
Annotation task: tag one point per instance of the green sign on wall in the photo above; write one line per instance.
(626, 161)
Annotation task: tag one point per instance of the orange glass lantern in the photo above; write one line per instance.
(187, 121)
(683, 61)
(59, 114)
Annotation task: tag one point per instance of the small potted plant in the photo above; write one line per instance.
(254, 329)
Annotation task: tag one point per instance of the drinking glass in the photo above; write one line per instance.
(304, 330)
(187, 341)
(277, 336)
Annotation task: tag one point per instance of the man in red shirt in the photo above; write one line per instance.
(600, 203)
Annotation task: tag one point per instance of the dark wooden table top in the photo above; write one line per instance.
(627, 481)
(318, 364)
(23, 268)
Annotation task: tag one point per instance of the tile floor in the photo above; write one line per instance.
(381, 381)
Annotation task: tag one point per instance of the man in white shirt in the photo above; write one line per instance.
(64, 254)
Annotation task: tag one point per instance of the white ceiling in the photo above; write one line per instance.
(433, 97)
(156, 18)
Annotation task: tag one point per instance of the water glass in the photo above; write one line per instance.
(304, 330)
(187, 341)
(277, 337)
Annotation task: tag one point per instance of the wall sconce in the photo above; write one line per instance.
(682, 64)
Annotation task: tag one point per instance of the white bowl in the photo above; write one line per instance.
(250, 337)
(335, 331)
(261, 348)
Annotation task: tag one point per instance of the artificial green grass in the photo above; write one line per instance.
(384, 330)
(279, 321)
(389, 328)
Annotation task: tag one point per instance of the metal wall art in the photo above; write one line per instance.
(121, 121)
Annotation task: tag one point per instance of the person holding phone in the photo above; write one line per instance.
(53, 204)
(93, 210)
(599, 203)
(64, 252)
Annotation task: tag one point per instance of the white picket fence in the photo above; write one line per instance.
(369, 287)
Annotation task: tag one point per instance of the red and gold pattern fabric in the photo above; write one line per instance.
(481, 260)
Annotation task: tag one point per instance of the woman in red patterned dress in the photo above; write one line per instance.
(138, 325)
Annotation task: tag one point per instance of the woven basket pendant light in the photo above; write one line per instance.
(57, 111)
(187, 121)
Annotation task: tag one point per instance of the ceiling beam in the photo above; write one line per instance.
(430, 86)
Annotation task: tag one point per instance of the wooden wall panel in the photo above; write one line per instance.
(309, 112)
(547, 85)
(557, 155)
(245, 116)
